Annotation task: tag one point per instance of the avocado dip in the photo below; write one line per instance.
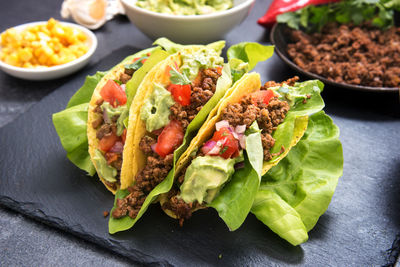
(185, 7)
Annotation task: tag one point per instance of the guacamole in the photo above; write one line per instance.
(104, 170)
(205, 176)
(185, 7)
(155, 110)
(121, 111)
(204, 58)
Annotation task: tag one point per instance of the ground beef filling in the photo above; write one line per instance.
(104, 129)
(243, 113)
(202, 90)
(360, 55)
(157, 168)
(268, 117)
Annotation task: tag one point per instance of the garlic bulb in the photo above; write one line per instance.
(91, 13)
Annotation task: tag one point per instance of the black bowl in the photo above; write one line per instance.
(280, 37)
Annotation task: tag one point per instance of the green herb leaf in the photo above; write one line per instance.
(136, 65)
(178, 78)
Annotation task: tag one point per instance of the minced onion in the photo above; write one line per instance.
(118, 147)
(221, 124)
(105, 116)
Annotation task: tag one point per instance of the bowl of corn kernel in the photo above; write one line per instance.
(46, 49)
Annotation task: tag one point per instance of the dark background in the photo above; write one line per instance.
(358, 229)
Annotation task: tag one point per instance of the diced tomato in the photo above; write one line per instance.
(170, 138)
(181, 93)
(136, 59)
(219, 70)
(230, 146)
(107, 142)
(113, 93)
(123, 136)
(264, 95)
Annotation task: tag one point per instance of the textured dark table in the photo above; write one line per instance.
(24, 242)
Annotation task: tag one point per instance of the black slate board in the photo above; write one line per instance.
(358, 229)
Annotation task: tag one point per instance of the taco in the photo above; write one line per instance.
(108, 116)
(253, 128)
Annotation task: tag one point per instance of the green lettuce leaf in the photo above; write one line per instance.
(70, 125)
(234, 202)
(251, 53)
(84, 94)
(297, 191)
(236, 198)
(122, 224)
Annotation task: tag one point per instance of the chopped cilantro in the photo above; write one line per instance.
(223, 150)
(178, 78)
(135, 65)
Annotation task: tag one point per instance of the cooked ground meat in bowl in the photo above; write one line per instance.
(361, 58)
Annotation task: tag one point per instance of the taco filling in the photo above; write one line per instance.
(110, 124)
(167, 113)
(216, 160)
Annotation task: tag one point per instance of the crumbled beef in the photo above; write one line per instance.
(98, 110)
(124, 78)
(145, 144)
(180, 208)
(97, 122)
(129, 71)
(277, 111)
(289, 82)
(111, 185)
(126, 75)
(267, 142)
(99, 102)
(155, 170)
(360, 55)
(105, 214)
(202, 90)
(105, 129)
(245, 113)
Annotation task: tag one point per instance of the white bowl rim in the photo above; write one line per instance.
(230, 11)
(56, 68)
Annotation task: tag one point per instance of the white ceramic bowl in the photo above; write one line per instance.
(187, 29)
(47, 73)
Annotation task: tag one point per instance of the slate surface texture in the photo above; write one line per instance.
(360, 228)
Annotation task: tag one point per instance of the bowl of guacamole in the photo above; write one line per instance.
(187, 21)
(179, 7)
